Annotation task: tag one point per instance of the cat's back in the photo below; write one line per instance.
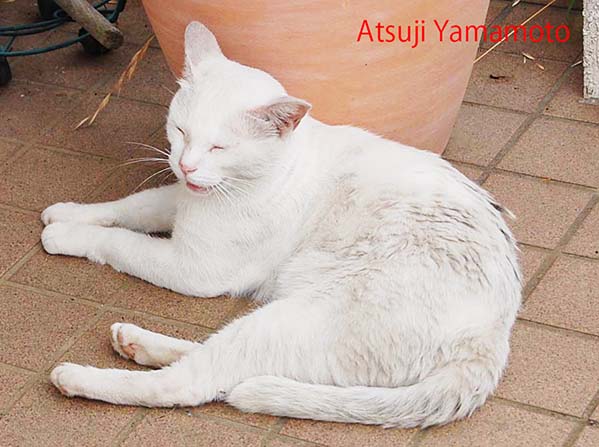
(400, 208)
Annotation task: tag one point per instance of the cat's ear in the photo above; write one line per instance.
(200, 44)
(280, 116)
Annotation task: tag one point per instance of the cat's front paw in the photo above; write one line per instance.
(75, 212)
(70, 239)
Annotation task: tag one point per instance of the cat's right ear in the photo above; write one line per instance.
(200, 45)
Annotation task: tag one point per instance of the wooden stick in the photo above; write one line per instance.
(514, 30)
(93, 22)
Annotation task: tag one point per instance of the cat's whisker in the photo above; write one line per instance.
(228, 192)
(244, 181)
(165, 178)
(226, 195)
(144, 160)
(164, 151)
(136, 161)
(151, 177)
(219, 196)
(236, 189)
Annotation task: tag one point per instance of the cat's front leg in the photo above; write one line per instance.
(156, 260)
(152, 210)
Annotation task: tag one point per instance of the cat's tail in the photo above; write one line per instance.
(453, 392)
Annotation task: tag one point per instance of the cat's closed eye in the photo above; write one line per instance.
(180, 130)
(216, 148)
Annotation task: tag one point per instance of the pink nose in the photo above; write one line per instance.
(187, 169)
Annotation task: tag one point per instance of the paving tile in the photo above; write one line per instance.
(12, 381)
(132, 178)
(19, 232)
(109, 135)
(551, 368)
(567, 296)
(134, 23)
(72, 67)
(346, 435)
(498, 424)
(544, 210)
(152, 81)
(42, 177)
(94, 347)
(472, 172)
(585, 241)
(145, 297)
(35, 326)
(225, 411)
(71, 276)
(495, 8)
(168, 427)
(530, 260)
(477, 137)
(544, 151)
(560, 3)
(567, 101)
(45, 417)
(281, 441)
(562, 51)
(23, 11)
(588, 438)
(28, 116)
(7, 150)
(502, 80)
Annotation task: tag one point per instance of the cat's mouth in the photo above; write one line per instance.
(197, 188)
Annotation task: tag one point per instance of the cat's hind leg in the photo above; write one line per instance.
(167, 387)
(146, 347)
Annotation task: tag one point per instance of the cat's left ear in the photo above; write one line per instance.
(281, 116)
(200, 45)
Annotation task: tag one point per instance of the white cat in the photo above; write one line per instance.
(391, 281)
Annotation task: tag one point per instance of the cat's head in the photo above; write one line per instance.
(227, 121)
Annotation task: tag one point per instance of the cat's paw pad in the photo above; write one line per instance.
(69, 378)
(122, 337)
(66, 239)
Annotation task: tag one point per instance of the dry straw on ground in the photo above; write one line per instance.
(125, 76)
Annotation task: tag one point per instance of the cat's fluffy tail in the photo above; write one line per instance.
(454, 392)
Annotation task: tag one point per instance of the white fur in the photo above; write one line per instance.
(390, 280)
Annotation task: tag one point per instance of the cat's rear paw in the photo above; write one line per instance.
(126, 340)
(69, 378)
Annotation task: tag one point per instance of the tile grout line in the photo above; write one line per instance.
(538, 111)
(108, 305)
(554, 328)
(139, 415)
(537, 410)
(44, 370)
(579, 186)
(15, 368)
(557, 251)
(36, 248)
(17, 209)
(576, 432)
(273, 431)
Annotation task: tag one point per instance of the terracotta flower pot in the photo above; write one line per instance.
(408, 94)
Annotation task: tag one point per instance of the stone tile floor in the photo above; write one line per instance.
(524, 136)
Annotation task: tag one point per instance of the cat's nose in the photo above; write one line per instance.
(187, 169)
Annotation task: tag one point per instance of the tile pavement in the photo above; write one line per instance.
(521, 132)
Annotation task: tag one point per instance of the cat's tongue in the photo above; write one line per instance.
(196, 188)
